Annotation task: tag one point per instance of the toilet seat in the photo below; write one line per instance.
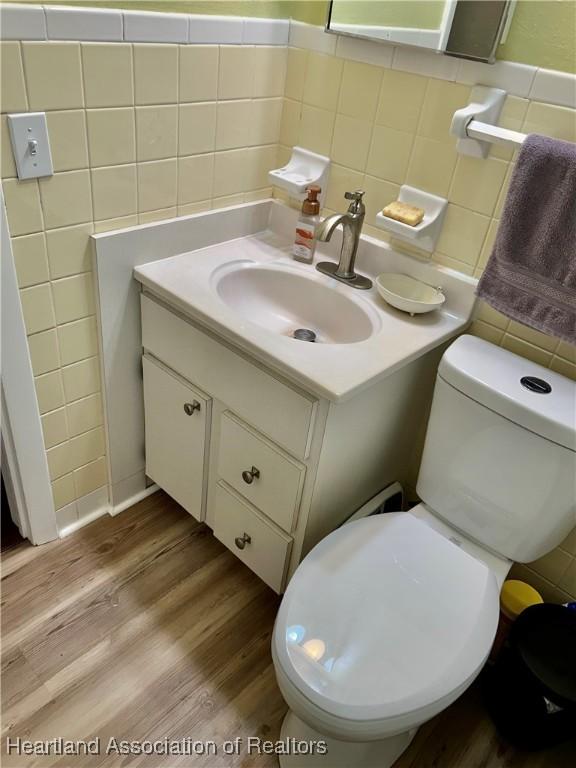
(384, 620)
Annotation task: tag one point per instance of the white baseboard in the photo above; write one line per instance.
(113, 511)
(82, 511)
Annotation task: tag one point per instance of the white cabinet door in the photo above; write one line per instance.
(177, 421)
(284, 414)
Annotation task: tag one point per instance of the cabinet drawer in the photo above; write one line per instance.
(281, 412)
(266, 553)
(266, 476)
(177, 423)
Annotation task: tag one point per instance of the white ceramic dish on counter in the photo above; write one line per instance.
(409, 295)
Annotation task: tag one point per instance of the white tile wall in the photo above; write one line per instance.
(426, 63)
(142, 27)
(81, 512)
(379, 54)
(36, 22)
(514, 78)
(554, 88)
(225, 30)
(19, 22)
(265, 31)
(99, 24)
(313, 38)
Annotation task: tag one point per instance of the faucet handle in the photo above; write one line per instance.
(356, 206)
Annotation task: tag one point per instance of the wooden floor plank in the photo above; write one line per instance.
(127, 595)
(125, 675)
(80, 566)
(144, 626)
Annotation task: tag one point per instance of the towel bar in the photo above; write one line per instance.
(475, 125)
(494, 134)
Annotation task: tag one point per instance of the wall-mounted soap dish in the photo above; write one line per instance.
(424, 235)
(303, 168)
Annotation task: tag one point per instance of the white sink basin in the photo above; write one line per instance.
(282, 300)
(249, 292)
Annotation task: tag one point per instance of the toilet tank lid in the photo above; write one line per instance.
(511, 386)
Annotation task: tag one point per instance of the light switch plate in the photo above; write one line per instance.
(30, 144)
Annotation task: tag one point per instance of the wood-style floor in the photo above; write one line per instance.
(144, 626)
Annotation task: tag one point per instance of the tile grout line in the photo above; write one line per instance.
(134, 133)
(177, 158)
(214, 151)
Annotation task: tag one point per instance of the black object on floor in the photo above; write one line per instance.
(531, 691)
(9, 533)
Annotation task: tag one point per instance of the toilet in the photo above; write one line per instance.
(391, 617)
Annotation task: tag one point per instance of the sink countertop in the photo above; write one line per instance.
(335, 371)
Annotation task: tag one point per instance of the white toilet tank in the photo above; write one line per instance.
(499, 461)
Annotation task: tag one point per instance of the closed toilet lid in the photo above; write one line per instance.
(385, 616)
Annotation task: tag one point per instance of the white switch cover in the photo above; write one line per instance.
(30, 144)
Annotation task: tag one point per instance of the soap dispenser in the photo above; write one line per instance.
(305, 240)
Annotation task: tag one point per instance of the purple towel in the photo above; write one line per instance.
(531, 273)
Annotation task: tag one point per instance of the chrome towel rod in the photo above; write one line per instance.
(494, 134)
(475, 125)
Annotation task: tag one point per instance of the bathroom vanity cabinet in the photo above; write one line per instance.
(270, 467)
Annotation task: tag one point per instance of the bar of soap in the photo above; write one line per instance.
(407, 214)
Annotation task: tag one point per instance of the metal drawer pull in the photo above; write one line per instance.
(249, 474)
(189, 408)
(241, 541)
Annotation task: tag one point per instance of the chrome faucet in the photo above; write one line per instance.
(351, 222)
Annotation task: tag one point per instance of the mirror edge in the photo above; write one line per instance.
(502, 33)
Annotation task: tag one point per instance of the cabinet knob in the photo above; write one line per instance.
(189, 408)
(241, 541)
(249, 474)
